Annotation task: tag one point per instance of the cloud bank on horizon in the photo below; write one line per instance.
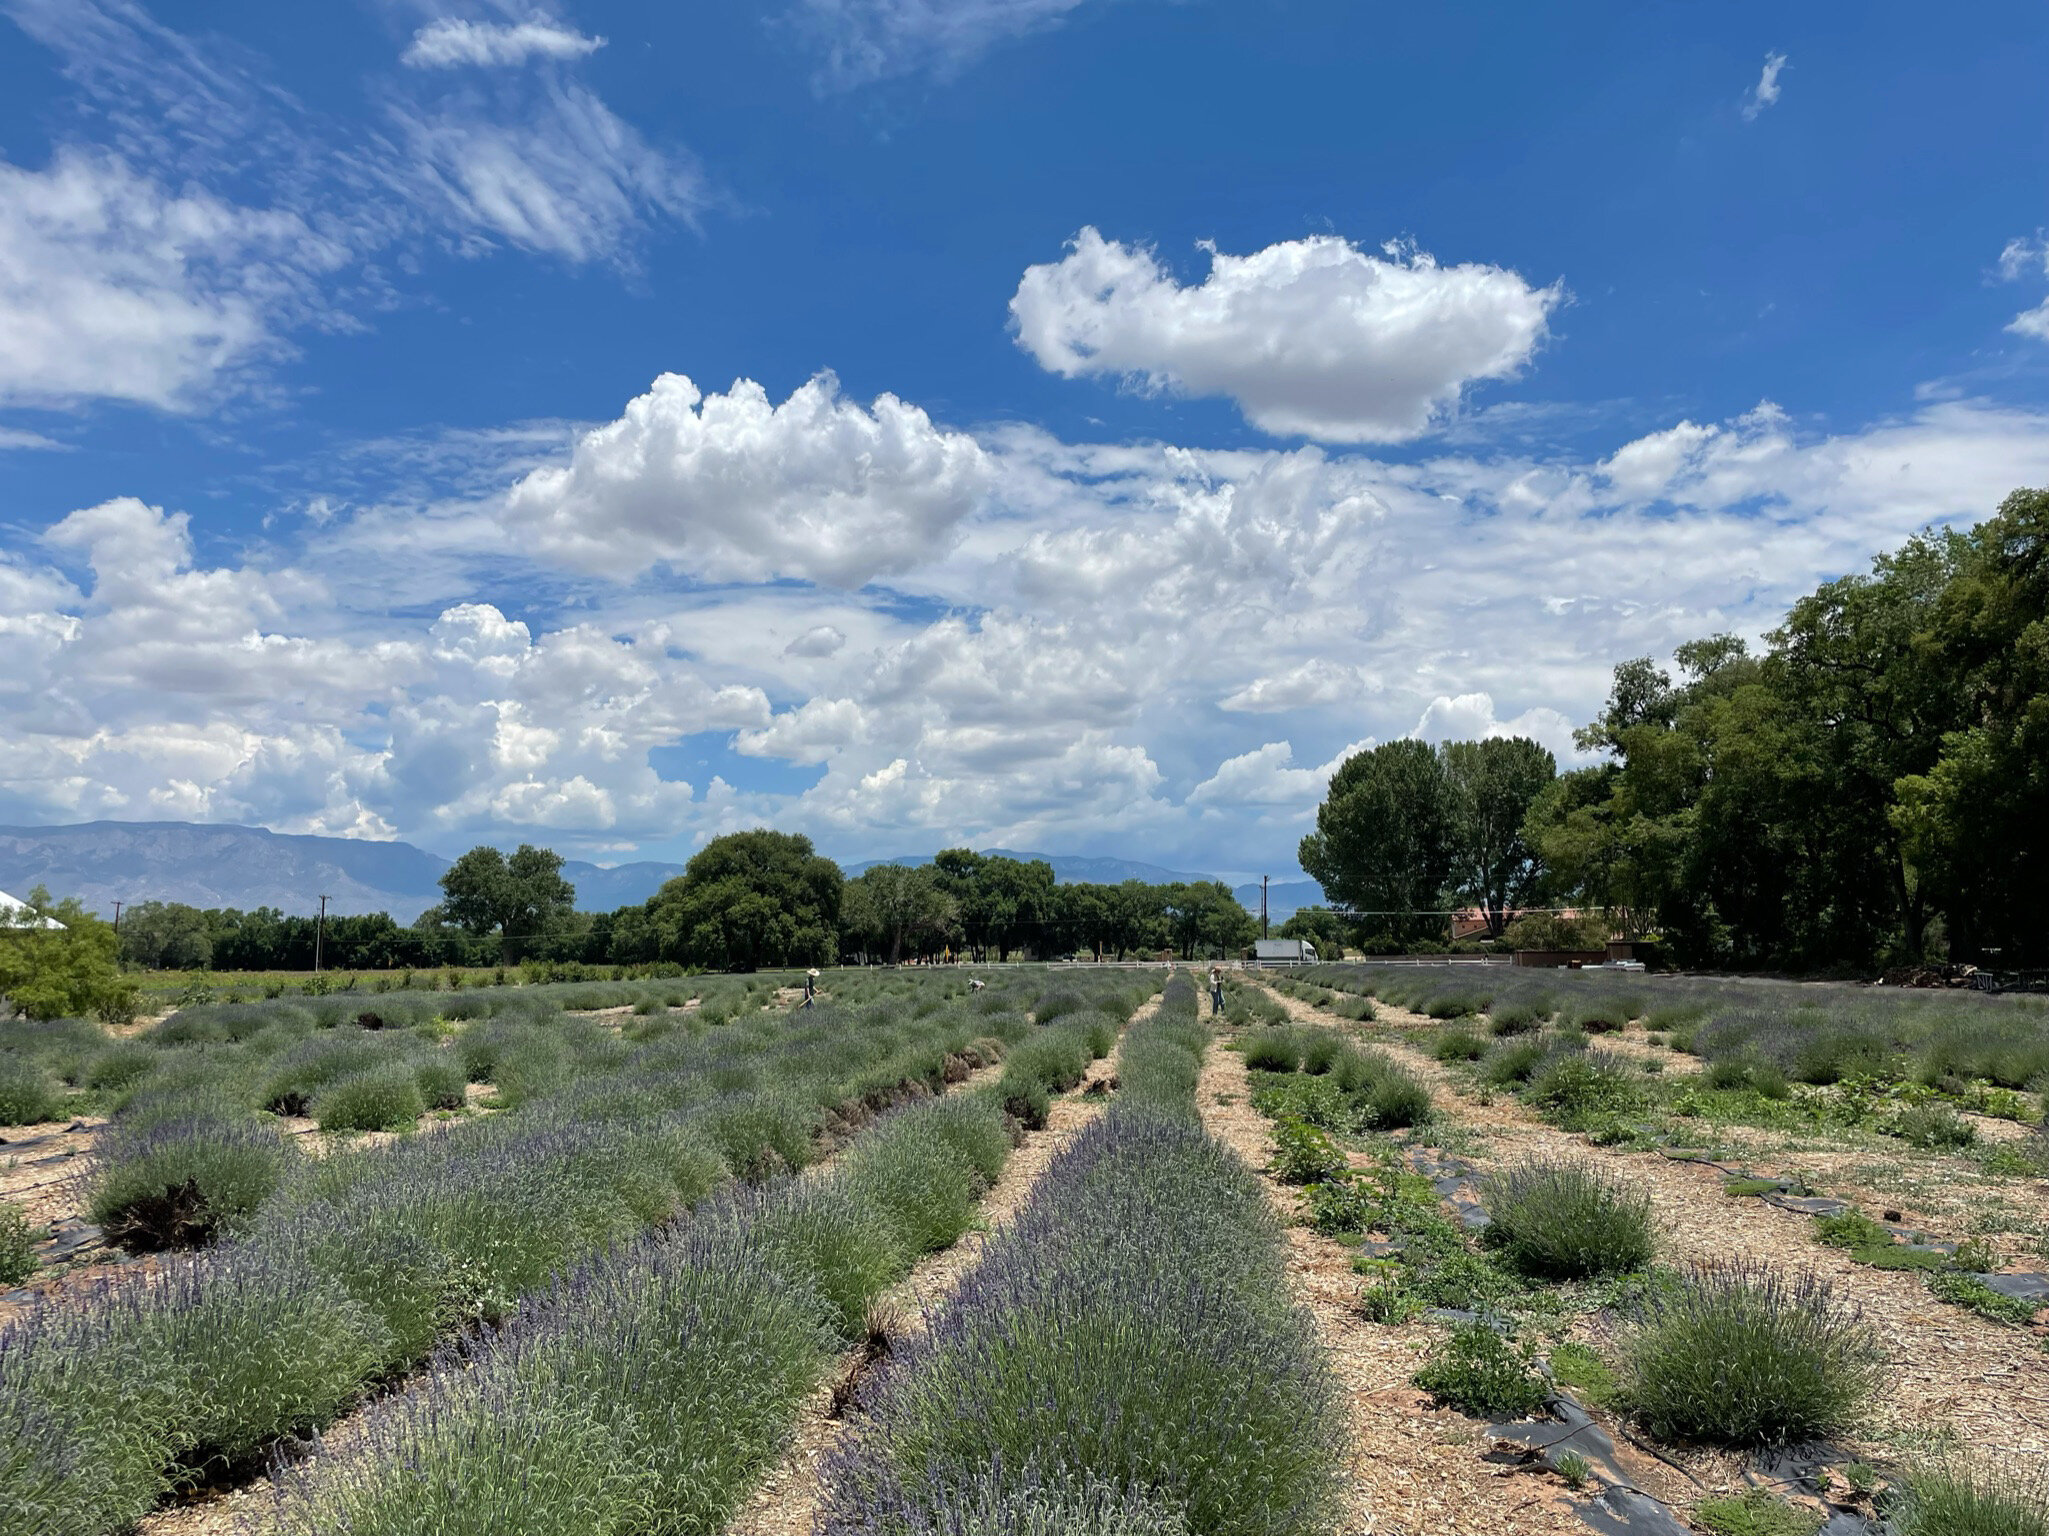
(1338, 497)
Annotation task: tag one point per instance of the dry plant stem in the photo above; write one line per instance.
(787, 1503)
(1950, 1367)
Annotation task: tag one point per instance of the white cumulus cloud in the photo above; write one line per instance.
(1312, 337)
(732, 487)
(450, 42)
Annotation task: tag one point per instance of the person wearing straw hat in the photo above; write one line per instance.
(810, 987)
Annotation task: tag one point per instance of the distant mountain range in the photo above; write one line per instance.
(102, 862)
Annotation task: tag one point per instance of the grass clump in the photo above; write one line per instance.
(1754, 1512)
(1933, 1128)
(1969, 1291)
(1590, 1378)
(17, 1245)
(1567, 1221)
(1962, 1498)
(1516, 1019)
(1477, 1371)
(1273, 1050)
(1459, 1045)
(1738, 1354)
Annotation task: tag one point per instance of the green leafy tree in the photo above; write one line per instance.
(68, 971)
(750, 899)
(522, 897)
(1206, 919)
(1383, 843)
(1490, 786)
(1326, 929)
(167, 935)
(890, 906)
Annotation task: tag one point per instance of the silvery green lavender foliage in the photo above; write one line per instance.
(649, 1390)
(1130, 1333)
(381, 1252)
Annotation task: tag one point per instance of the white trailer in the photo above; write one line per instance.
(1283, 952)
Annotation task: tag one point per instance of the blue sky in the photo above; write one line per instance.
(1068, 424)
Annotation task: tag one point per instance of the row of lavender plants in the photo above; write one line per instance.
(1125, 1357)
(358, 1264)
(1819, 1034)
(284, 1054)
(649, 1390)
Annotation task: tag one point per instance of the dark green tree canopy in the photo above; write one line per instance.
(520, 897)
(1383, 838)
(750, 899)
(1873, 789)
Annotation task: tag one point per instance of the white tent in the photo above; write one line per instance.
(14, 914)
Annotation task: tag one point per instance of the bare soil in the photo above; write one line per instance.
(1951, 1368)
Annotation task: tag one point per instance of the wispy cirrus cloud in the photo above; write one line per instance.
(860, 42)
(195, 219)
(1765, 93)
(451, 42)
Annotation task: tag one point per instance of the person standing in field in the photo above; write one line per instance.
(1216, 989)
(810, 988)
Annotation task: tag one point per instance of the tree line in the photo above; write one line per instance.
(745, 900)
(1870, 788)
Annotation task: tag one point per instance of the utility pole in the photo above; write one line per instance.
(117, 917)
(319, 934)
(1262, 906)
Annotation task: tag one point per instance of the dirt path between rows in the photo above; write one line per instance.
(1950, 1367)
(1412, 1470)
(789, 1499)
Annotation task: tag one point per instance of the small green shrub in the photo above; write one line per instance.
(1934, 1128)
(1396, 1100)
(1960, 1498)
(1305, 1154)
(1850, 1229)
(1738, 1354)
(1457, 1005)
(1513, 1061)
(384, 1098)
(1578, 1090)
(17, 1245)
(1754, 1512)
(27, 1096)
(1567, 1221)
(441, 1082)
(1320, 1051)
(1515, 1019)
(1273, 1050)
(1459, 1045)
(1477, 1371)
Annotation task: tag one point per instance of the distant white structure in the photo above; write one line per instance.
(1283, 952)
(13, 914)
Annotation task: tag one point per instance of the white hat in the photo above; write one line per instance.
(811, 973)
